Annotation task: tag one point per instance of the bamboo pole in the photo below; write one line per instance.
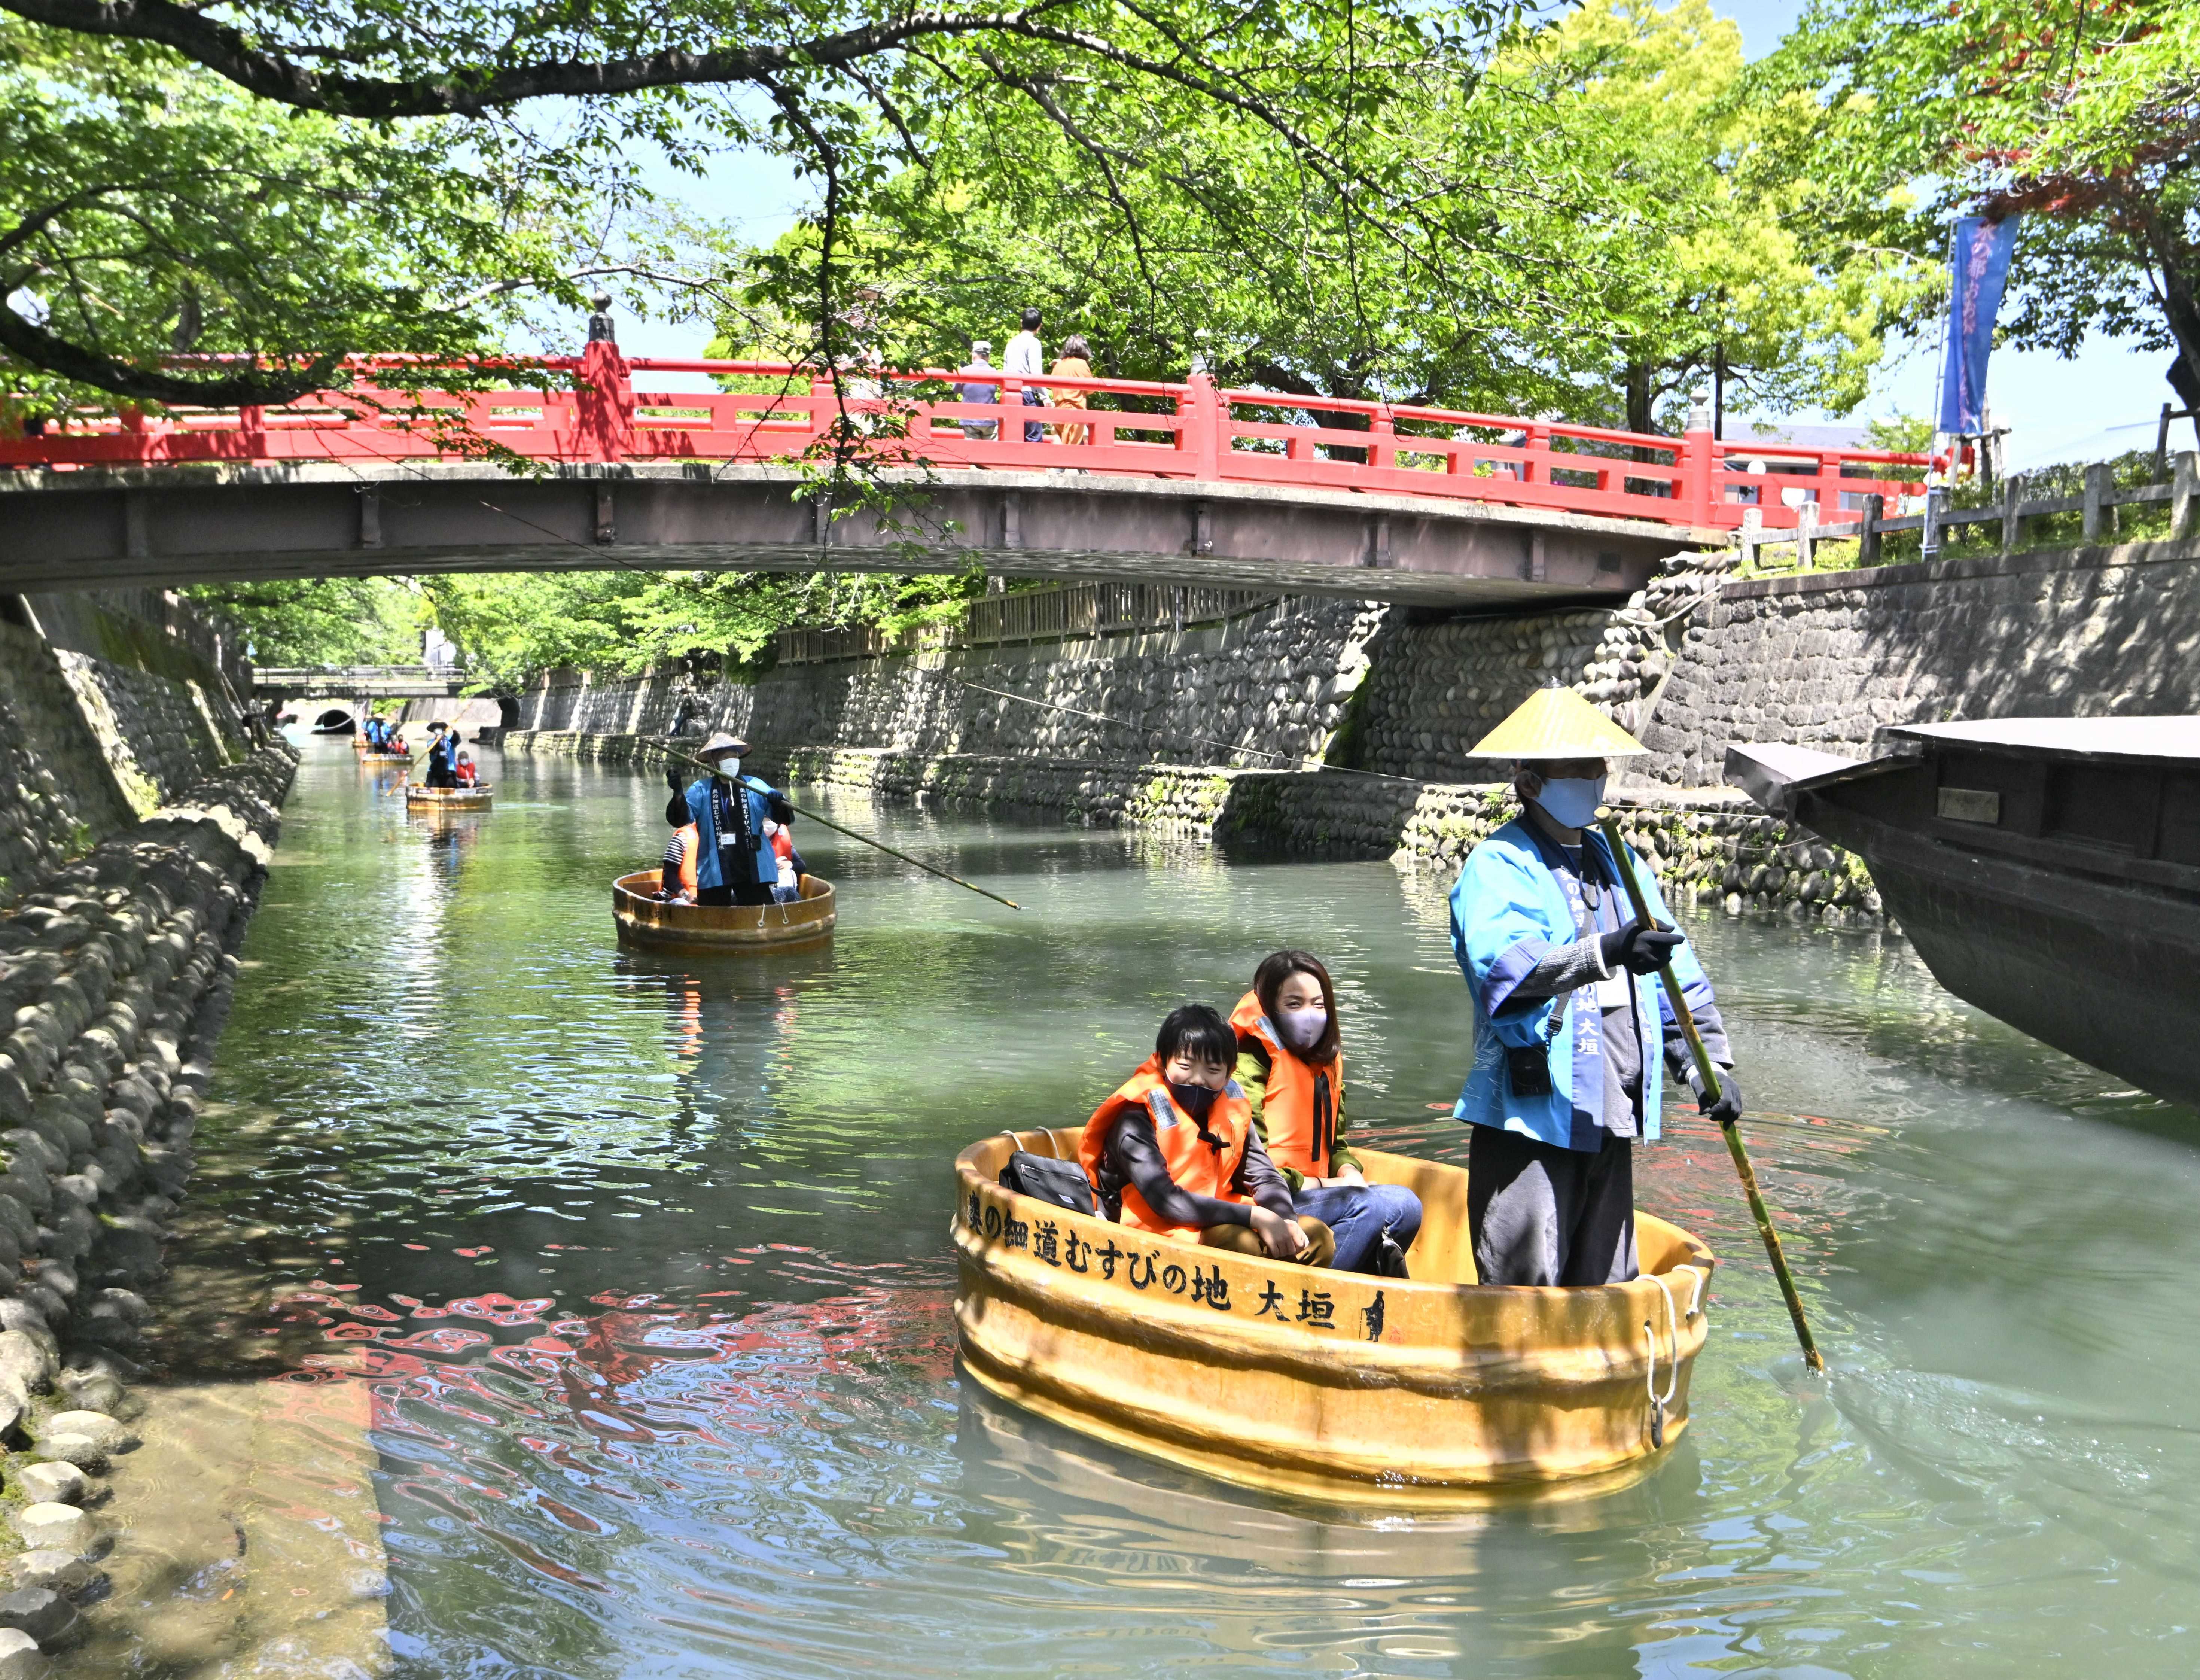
(904, 857)
(1708, 1070)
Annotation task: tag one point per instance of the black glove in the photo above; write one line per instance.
(1727, 1109)
(676, 814)
(672, 777)
(1640, 948)
(782, 812)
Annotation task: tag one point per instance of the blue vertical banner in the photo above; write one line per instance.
(1977, 262)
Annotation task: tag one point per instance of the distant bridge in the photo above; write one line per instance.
(1178, 483)
(358, 682)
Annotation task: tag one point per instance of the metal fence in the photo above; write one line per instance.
(2096, 504)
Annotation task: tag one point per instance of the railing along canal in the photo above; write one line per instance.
(586, 409)
(2095, 504)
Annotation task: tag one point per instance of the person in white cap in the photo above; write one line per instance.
(1566, 1011)
(734, 862)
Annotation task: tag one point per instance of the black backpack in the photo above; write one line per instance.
(1047, 1178)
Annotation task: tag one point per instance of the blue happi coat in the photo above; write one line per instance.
(1508, 912)
(710, 808)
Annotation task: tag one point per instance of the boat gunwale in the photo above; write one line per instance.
(820, 915)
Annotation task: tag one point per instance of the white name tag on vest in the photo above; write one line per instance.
(1612, 992)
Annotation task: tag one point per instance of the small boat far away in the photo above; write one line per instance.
(1433, 1393)
(2046, 868)
(643, 918)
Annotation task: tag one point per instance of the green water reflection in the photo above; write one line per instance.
(723, 1434)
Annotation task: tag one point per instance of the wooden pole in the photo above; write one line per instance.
(904, 857)
(1707, 1070)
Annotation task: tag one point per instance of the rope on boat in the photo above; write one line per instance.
(1659, 1402)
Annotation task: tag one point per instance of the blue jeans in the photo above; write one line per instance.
(1358, 1214)
(1033, 431)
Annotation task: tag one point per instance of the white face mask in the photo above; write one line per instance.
(729, 767)
(1571, 802)
(1302, 1027)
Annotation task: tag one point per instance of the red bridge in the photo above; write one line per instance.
(1123, 478)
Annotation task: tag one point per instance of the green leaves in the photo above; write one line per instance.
(2085, 118)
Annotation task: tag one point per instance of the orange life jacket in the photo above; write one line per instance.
(1193, 1164)
(691, 843)
(1298, 1117)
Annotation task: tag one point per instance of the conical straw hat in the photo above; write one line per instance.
(1556, 723)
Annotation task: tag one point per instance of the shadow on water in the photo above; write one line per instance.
(631, 1267)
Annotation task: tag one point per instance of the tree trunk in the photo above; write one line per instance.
(1639, 397)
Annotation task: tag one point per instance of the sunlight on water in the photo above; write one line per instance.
(642, 1261)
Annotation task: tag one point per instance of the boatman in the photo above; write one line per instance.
(1566, 1004)
(442, 755)
(733, 862)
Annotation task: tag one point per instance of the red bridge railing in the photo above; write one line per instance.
(1193, 431)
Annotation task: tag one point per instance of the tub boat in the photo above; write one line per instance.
(646, 919)
(446, 801)
(1436, 1393)
(385, 758)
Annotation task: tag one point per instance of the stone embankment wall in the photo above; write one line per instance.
(1277, 681)
(1824, 659)
(1693, 663)
(136, 821)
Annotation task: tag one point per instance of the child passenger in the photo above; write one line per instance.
(1175, 1149)
(1290, 1065)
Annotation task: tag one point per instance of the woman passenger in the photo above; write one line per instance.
(1292, 1069)
(1174, 1150)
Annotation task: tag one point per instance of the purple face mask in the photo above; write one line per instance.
(1302, 1028)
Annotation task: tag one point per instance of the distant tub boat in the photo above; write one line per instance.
(646, 919)
(1438, 1393)
(445, 801)
(385, 758)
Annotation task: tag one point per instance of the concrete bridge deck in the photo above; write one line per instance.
(99, 529)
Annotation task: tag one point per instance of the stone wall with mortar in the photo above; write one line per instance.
(115, 971)
(1696, 661)
(1277, 681)
(1824, 659)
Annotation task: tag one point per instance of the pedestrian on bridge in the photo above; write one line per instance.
(1027, 359)
(1076, 362)
(980, 391)
(1569, 1017)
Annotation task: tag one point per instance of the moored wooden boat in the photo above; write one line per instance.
(646, 919)
(446, 800)
(2046, 869)
(385, 758)
(1436, 1393)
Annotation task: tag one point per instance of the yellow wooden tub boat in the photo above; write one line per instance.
(1436, 1394)
(646, 919)
(445, 801)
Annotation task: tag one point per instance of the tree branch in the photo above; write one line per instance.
(51, 354)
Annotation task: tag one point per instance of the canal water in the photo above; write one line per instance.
(642, 1263)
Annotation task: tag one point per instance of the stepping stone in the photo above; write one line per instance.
(108, 1432)
(20, 1656)
(59, 1528)
(40, 1612)
(81, 1450)
(55, 1484)
(64, 1572)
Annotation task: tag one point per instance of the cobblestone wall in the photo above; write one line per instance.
(116, 974)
